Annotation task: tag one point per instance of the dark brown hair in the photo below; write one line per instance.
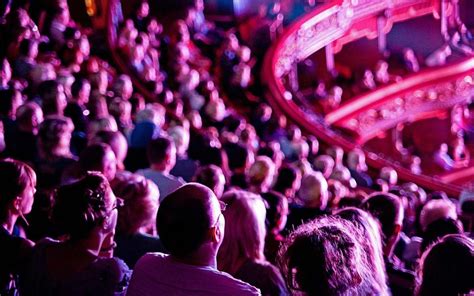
(81, 206)
(16, 176)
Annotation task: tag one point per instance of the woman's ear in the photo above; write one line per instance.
(17, 204)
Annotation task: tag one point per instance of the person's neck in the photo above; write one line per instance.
(289, 193)
(389, 245)
(79, 101)
(241, 170)
(181, 155)
(313, 205)
(9, 223)
(61, 152)
(256, 189)
(198, 260)
(28, 129)
(89, 246)
(28, 58)
(160, 168)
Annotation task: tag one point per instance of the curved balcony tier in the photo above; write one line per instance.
(429, 93)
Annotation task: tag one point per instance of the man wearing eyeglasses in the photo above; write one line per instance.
(191, 226)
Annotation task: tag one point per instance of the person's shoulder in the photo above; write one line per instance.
(114, 263)
(26, 245)
(46, 242)
(263, 269)
(15, 245)
(399, 275)
(113, 270)
(41, 248)
(235, 286)
(180, 180)
(150, 259)
(267, 267)
(144, 172)
(67, 160)
(153, 241)
(177, 180)
(72, 107)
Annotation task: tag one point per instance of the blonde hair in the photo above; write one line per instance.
(371, 240)
(437, 209)
(314, 190)
(262, 169)
(141, 198)
(153, 112)
(180, 136)
(389, 175)
(245, 231)
(356, 160)
(107, 123)
(325, 164)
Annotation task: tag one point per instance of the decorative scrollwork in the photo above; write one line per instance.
(431, 98)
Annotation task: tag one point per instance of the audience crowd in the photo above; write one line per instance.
(106, 192)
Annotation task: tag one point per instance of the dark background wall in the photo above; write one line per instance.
(467, 12)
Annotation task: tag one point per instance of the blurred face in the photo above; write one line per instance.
(103, 81)
(109, 165)
(144, 10)
(199, 4)
(108, 230)
(220, 110)
(61, 100)
(457, 114)
(138, 53)
(6, 73)
(368, 80)
(127, 90)
(145, 41)
(183, 32)
(245, 54)
(64, 17)
(27, 197)
(196, 120)
(172, 160)
(85, 47)
(36, 120)
(129, 24)
(85, 93)
(297, 183)
(443, 148)
(283, 215)
(276, 8)
(191, 16)
(409, 54)
(152, 26)
(233, 42)
(34, 51)
(219, 189)
(17, 101)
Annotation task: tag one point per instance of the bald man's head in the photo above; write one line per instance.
(185, 217)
